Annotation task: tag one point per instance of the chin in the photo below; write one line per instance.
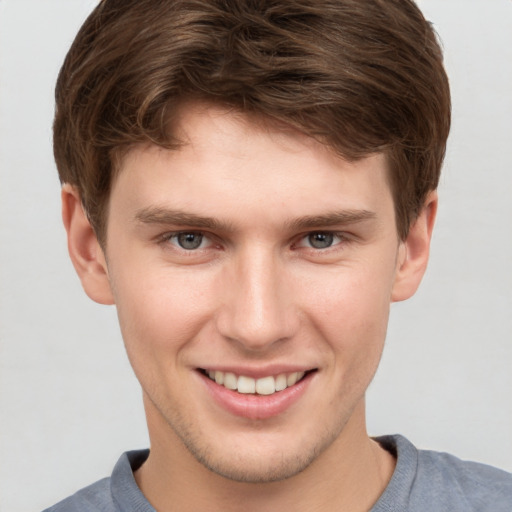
(260, 460)
(257, 469)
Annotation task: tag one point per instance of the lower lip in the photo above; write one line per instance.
(256, 407)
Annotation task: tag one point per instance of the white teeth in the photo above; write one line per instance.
(266, 386)
(281, 382)
(247, 385)
(230, 381)
(291, 379)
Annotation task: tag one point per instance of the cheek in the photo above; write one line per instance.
(350, 310)
(352, 297)
(160, 312)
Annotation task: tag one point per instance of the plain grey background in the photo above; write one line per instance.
(69, 403)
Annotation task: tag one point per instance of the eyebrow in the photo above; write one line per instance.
(342, 217)
(156, 215)
(165, 216)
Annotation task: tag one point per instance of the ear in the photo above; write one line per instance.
(84, 249)
(414, 251)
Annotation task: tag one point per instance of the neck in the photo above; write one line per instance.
(349, 475)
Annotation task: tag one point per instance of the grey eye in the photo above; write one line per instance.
(321, 240)
(189, 241)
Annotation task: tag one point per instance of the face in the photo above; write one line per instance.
(252, 270)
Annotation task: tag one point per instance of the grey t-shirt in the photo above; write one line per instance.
(423, 481)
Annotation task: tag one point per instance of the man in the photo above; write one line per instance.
(252, 184)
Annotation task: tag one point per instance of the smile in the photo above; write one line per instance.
(248, 385)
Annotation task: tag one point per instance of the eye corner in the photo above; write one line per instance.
(320, 240)
(189, 242)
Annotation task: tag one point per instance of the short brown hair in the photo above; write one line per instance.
(361, 76)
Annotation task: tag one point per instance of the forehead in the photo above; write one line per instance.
(230, 163)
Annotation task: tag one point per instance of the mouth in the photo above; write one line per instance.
(243, 384)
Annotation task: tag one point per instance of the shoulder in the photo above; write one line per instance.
(426, 481)
(117, 493)
(94, 498)
(475, 486)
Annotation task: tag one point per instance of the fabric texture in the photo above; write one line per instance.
(423, 481)
(427, 481)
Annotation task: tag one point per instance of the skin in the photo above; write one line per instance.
(255, 296)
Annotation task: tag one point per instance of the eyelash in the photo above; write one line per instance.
(342, 237)
(167, 237)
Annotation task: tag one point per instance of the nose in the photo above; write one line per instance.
(257, 310)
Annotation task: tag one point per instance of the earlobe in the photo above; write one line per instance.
(84, 249)
(414, 252)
